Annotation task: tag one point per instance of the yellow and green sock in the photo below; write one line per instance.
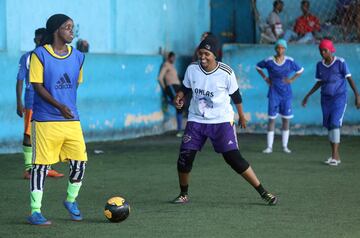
(27, 157)
(35, 201)
(73, 191)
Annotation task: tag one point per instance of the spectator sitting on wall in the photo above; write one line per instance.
(306, 26)
(82, 46)
(274, 28)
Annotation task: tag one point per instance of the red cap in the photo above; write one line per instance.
(327, 44)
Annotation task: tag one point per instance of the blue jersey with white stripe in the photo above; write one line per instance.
(23, 75)
(278, 73)
(333, 77)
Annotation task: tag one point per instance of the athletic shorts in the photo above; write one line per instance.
(280, 106)
(27, 121)
(57, 142)
(333, 110)
(222, 135)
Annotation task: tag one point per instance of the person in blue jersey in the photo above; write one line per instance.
(282, 71)
(331, 75)
(25, 110)
(213, 85)
(56, 70)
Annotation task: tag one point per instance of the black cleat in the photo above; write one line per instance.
(269, 198)
(181, 199)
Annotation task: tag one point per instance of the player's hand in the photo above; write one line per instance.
(66, 112)
(267, 80)
(287, 81)
(20, 110)
(179, 102)
(357, 101)
(304, 101)
(242, 121)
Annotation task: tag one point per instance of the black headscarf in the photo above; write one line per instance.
(210, 43)
(52, 24)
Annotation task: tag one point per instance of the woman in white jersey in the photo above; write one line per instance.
(211, 115)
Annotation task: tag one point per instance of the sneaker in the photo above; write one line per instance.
(27, 174)
(269, 198)
(181, 199)
(286, 150)
(37, 219)
(334, 162)
(328, 160)
(268, 150)
(55, 174)
(179, 134)
(73, 210)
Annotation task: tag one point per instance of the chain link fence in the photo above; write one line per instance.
(339, 19)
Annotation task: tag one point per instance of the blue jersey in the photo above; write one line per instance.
(60, 76)
(278, 73)
(23, 74)
(333, 77)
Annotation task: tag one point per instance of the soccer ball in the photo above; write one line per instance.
(117, 209)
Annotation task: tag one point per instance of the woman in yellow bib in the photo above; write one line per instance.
(55, 73)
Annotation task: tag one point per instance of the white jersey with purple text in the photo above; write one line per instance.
(210, 102)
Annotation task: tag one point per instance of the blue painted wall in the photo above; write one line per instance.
(113, 26)
(2, 25)
(243, 59)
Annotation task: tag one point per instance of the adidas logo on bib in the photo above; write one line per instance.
(64, 82)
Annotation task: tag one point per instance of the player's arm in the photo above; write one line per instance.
(80, 78)
(184, 90)
(36, 78)
(346, 72)
(19, 85)
(314, 89)
(180, 95)
(298, 71)
(294, 77)
(356, 93)
(19, 104)
(259, 67)
(41, 90)
(237, 100)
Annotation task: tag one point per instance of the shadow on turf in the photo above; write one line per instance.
(85, 220)
(212, 204)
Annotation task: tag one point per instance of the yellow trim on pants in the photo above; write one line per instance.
(55, 142)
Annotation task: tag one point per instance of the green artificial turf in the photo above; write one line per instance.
(315, 200)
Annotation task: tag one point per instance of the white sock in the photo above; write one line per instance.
(334, 135)
(270, 139)
(285, 138)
